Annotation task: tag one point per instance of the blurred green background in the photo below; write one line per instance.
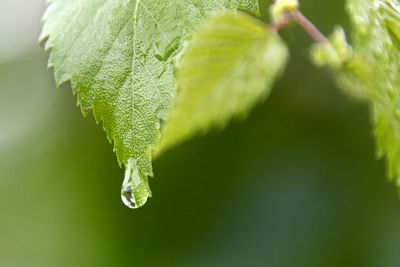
(296, 184)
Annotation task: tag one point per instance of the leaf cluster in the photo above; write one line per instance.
(156, 72)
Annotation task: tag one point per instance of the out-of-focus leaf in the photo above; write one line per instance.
(226, 67)
(376, 31)
(371, 69)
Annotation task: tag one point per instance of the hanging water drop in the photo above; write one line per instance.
(127, 194)
(128, 197)
(135, 189)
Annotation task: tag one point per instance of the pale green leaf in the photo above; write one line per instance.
(117, 54)
(351, 70)
(226, 67)
(376, 31)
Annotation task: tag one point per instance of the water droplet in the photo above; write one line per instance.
(135, 189)
(127, 194)
(128, 197)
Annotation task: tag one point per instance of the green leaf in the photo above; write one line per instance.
(117, 54)
(351, 70)
(226, 67)
(376, 30)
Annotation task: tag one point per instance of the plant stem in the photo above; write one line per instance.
(281, 23)
(309, 27)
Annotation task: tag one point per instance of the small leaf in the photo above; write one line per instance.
(117, 54)
(351, 70)
(334, 53)
(226, 67)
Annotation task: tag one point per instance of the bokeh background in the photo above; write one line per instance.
(296, 184)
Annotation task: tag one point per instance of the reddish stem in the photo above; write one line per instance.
(309, 27)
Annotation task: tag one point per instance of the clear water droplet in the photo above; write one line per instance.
(128, 197)
(135, 189)
(127, 194)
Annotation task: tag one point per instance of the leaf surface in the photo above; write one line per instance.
(117, 54)
(226, 67)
